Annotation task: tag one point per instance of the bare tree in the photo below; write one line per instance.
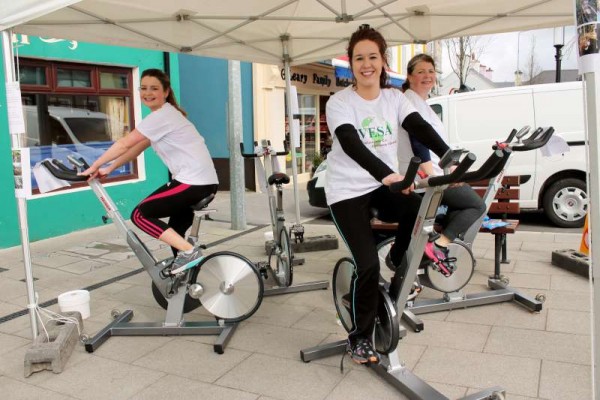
(462, 52)
(532, 67)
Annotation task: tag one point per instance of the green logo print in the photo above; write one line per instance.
(376, 133)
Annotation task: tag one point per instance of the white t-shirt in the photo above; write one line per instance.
(377, 122)
(179, 145)
(431, 117)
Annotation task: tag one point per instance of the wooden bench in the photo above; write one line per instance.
(505, 202)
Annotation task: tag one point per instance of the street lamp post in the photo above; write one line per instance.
(559, 42)
(518, 73)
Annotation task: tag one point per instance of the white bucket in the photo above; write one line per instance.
(75, 300)
(268, 236)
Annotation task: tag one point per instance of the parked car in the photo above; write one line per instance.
(316, 187)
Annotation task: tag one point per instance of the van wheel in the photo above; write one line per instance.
(566, 203)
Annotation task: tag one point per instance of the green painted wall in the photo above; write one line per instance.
(68, 212)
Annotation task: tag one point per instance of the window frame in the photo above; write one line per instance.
(52, 88)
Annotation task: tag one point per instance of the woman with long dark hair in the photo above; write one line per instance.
(365, 119)
(182, 149)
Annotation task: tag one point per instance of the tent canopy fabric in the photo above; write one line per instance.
(254, 30)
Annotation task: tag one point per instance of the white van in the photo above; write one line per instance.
(557, 184)
(66, 125)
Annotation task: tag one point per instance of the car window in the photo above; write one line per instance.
(437, 108)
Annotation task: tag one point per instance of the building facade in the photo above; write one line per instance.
(81, 97)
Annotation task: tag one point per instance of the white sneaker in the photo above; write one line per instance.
(185, 261)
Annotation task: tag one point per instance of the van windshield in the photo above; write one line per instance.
(89, 129)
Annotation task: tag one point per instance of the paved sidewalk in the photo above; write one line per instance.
(542, 355)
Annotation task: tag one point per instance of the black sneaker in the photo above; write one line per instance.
(362, 352)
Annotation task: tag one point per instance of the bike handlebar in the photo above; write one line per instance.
(538, 139)
(409, 177)
(453, 177)
(271, 151)
(522, 132)
(491, 167)
(61, 171)
(246, 155)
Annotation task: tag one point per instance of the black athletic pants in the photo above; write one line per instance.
(353, 220)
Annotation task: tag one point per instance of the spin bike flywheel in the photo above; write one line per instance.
(387, 325)
(465, 266)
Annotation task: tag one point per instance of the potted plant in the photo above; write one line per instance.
(316, 161)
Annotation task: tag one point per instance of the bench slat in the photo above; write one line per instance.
(511, 180)
(511, 194)
(503, 207)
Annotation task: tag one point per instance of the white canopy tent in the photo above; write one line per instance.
(288, 32)
(255, 30)
(292, 32)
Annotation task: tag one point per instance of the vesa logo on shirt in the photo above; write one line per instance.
(376, 133)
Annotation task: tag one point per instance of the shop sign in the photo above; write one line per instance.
(24, 40)
(309, 78)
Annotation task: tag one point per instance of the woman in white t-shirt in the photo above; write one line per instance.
(464, 204)
(179, 145)
(365, 120)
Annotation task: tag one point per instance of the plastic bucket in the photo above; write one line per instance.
(75, 300)
(268, 236)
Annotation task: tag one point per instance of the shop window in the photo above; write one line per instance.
(68, 77)
(113, 80)
(308, 134)
(33, 75)
(71, 108)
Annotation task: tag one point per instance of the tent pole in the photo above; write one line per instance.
(236, 163)
(11, 76)
(297, 228)
(591, 88)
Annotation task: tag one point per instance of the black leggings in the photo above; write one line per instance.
(464, 208)
(352, 219)
(173, 200)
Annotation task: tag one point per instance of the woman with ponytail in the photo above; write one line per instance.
(179, 145)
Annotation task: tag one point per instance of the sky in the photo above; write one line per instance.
(500, 52)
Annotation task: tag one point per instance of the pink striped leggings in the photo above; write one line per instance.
(173, 200)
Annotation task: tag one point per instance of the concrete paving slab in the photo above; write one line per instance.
(89, 380)
(574, 322)
(281, 378)
(564, 381)
(475, 370)
(454, 335)
(24, 391)
(531, 343)
(175, 387)
(190, 359)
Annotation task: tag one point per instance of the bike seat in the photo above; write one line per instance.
(203, 203)
(279, 178)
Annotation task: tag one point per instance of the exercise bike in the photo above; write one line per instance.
(278, 270)
(227, 284)
(393, 294)
(460, 250)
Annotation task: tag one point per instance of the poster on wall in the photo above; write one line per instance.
(16, 121)
(22, 172)
(587, 19)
